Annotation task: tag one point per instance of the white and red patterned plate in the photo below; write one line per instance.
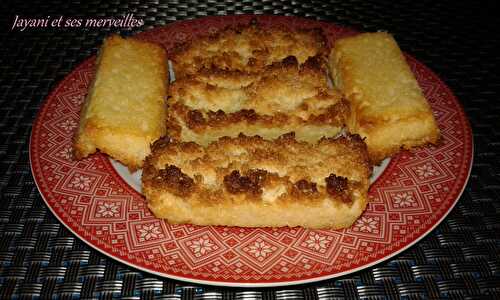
(98, 200)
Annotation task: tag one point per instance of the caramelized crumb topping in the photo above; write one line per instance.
(306, 187)
(216, 116)
(195, 118)
(257, 175)
(160, 144)
(337, 186)
(252, 183)
(175, 180)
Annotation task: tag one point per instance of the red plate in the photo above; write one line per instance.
(413, 194)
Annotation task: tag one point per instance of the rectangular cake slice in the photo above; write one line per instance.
(247, 48)
(248, 181)
(256, 81)
(286, 96)
(388, 107)
(124, 111)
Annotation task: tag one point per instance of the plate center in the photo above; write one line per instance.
(132, 179)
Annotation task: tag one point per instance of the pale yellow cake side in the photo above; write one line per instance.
(388, 107)
(124, 111)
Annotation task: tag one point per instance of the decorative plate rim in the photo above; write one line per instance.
(262, 282)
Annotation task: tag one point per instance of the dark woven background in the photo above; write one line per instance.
(40, 258)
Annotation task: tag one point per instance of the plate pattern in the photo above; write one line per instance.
(411, 197)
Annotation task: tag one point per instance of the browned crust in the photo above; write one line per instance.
(186, 183)
(164, 169)
(198, 122)
(248, 48)
(319, 106)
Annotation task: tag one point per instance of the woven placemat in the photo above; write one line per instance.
(39, 257)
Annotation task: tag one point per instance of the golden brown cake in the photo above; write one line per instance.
(251, 119)
(388, 107)
(248, 48)
(285, 97)
(124, 111)
(249, 181)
